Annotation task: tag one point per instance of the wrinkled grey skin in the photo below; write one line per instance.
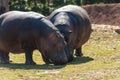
(73, 22)
(26, 31)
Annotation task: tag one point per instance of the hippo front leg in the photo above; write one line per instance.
(46, 60)
(4, 57)
(28, 54)
(78, 52)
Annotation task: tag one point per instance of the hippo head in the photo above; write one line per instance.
(63, 22)
(53, 46)
(66, 31)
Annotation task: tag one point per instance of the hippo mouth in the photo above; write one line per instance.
(59, 58)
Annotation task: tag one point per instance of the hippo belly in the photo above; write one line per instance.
(13, 47)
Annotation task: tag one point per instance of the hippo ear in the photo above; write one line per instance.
(70, 31)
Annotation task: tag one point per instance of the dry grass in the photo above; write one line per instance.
(101, 61)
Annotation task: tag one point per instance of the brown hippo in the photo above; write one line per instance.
(26, 31)
(73, 22)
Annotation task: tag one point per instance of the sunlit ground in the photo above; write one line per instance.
(101, 61)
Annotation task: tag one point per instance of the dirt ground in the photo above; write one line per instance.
(107, 14)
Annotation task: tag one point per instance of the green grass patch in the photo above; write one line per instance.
(101, 61)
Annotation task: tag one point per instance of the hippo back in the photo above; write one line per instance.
(16, 27)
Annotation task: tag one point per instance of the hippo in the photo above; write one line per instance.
(24, 32)
(74, 23)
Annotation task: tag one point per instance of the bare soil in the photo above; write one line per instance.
(107, 14)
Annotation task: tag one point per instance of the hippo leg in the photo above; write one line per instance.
(45, 60)
(79, 52)
(70, 58)
(28, 56)
(28, 49)
(4, 57)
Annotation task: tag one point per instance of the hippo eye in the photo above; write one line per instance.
(66, 32)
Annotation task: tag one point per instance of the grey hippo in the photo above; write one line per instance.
(74, 23)
(23, 32)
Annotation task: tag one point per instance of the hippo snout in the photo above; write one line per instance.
(61, 59)
(64, 56)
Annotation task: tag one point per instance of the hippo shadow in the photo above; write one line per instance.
(80, 60)
(27, 67)
(77, 60)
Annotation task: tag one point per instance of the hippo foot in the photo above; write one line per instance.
(30, 63)
(79, 55)
(78, 52)
(70, 57)
(48, 62)
(4, 59)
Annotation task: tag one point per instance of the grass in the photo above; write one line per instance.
(101, 61)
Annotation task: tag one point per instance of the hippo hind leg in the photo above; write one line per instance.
(28, 49)
(4, 57)
(78, 52)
